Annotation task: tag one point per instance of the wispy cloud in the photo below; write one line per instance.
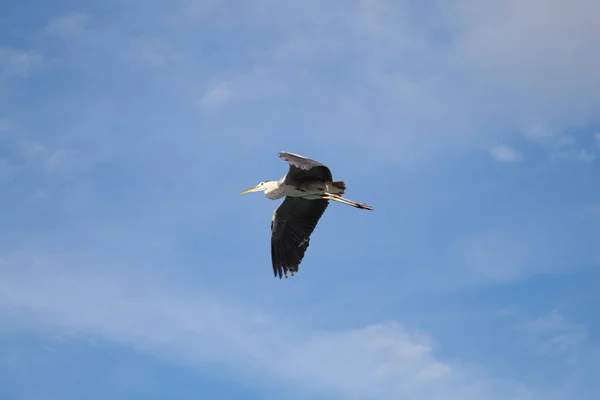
(191, 327)
(586, 155)
(558, 144)
(506, 154)
(393, 92)
(126, 223)
(554, 334)
(514, 44)
(67, 25)
(33, 154)
(18, 63)
(481, 46)
(217, 96)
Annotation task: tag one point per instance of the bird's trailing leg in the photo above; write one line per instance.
(340, 199)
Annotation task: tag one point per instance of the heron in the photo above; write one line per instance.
(308, 187)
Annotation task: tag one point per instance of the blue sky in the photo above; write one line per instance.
(131, 268)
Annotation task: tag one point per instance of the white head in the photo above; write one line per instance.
(271, 189)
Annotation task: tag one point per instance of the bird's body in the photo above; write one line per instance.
(307, 187)
(310, 190)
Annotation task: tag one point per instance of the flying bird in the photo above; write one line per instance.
(308, 186)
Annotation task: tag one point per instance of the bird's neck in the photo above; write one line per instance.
(273, 191)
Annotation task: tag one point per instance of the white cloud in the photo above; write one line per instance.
(218, 96)
(542, 133)
(192, 326)
(509, 58)
(157, 53)
(585, 155)
(39, 155)
(66, 26)
(401, 90)
(505, 154)
(499, 256)
(539, 50)
(55, 159)
(557, 144)
(402, 87)
(25, 155)
(554, 334)
(18, 63)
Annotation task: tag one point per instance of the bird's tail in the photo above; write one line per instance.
(340, 185)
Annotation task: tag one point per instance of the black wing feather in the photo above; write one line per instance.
(293, 223)
(302, 168)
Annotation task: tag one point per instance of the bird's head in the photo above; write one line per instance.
(261, 187)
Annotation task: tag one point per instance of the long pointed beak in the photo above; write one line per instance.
(254, 189)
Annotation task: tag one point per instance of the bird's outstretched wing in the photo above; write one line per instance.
(302, 168)
(292, 224)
